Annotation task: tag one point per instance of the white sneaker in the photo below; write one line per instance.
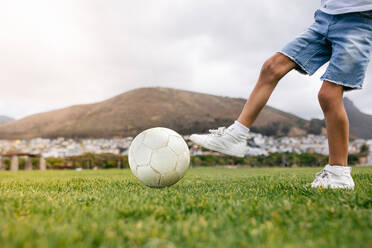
(230, 141)
(335, 177)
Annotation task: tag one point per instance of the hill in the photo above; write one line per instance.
(5, 119)
(360, 123)
(131, 112)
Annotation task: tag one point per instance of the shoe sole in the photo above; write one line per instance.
(333, 187)
(226, 152)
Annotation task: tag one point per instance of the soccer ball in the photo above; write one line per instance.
(159, 157)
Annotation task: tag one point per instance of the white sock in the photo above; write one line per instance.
(241, 127)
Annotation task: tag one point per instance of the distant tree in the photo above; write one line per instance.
(271, 129)
(364, 150)
(285, 130)
(352, 159)
(316, 126)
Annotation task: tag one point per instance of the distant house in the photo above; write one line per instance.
(363, 159)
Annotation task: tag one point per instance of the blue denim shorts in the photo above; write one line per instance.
(344, 40)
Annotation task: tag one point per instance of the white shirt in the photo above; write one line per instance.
(335, 7)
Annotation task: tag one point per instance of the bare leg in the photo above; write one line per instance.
(272, 71)
(337, 123)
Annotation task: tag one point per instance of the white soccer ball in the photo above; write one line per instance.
(159, 157)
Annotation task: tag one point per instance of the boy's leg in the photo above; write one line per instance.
(308, 52)
(271, 72)
(331, 101)
(233, 140)
(351, 38)
(336, 174)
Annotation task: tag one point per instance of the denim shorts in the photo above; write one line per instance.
(344, 40)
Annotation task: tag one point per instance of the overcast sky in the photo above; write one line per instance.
(59, 53)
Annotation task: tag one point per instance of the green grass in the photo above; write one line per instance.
(210, 207)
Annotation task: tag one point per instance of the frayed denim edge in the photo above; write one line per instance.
(304, 70)
(352, 87)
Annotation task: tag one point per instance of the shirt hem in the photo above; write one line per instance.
(347, 10)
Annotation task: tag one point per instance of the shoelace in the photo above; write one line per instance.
(322, 176)
(217, 132)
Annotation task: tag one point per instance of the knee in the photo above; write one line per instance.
(273, 67)
(326, 99)
(330, 95)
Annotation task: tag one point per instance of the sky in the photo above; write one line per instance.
(55, 54)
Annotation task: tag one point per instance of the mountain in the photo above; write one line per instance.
(360, 123)
(5, 119)
(131, 112)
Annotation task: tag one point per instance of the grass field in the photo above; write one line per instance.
(210, 207)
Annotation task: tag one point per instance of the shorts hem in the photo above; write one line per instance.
(301, 69)
(349, 86)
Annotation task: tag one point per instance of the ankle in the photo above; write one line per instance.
(241, 127)
(345, 164)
